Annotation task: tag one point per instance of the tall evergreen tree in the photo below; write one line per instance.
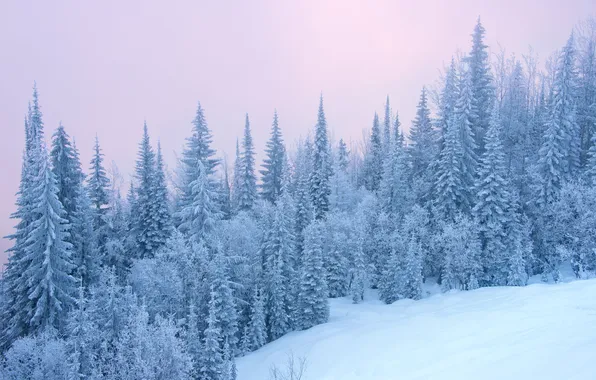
(312, 298)
(342, 153)
(422, 149)
(161, 212)
(481, 87)
(51, 288)
(197, 219)
(492, 205)
(248, 182)
(237, 179)
(422, 138)
(98, 186)
(198, 149)
(448, 99)
(146, 226)
(387, 128)
(373, 161)
(563, 109)
(212, 357)
(255, 335)
(321, 172)
(273, 164)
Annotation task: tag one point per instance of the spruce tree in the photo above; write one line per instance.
(387, 142)
(373, 161)
(197, 149)
(563, 109)
(321, 171)
(237, 179)
(223, 303)
(273, 164)
(98, 186)
(342, 156)
(212, 356)
(146, 226)
(421, 149)
(248, 182)
(312, 299)
(197, 219)
(51, 288)
(14, 315)
(256, 334)
(161, 208)
(492, 205)
(481, 87)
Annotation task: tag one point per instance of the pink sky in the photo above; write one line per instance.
(105, 66)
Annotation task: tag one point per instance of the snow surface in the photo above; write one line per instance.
(541, 331)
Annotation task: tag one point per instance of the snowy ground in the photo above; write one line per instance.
(541, 331)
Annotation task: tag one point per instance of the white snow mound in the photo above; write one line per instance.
(540, 331)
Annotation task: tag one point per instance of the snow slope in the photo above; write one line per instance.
(541, 331)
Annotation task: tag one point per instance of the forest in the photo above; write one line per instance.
(493, 182)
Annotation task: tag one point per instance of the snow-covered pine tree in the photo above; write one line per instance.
(226, 195)
(211, 363)
(198, 217)
(51, 287)
(14, 318)
(146, 226)
(481, 87)
(493, 202)
(255, 332)
(223, 299)
(197, 149)
(237, 179)
(273, 163)
(422, 149)
(450, 192)
(373, 160)
(84, 255)
(312, 298)
(448, 99)
(248, 182)
(161, 208)
(464, 119)
(279, 251)
(321, 171)
(98, 186)
(387, 142)
(342, 156)
(563, 109)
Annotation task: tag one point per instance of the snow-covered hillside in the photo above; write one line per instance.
(541, 331)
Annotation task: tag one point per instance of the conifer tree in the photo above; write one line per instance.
(422, 139)
(248, 181)
(255, 335)
(448, 99)
(212, 356)
(591, 164)
(197, 218)
(223, 301)
(374, 158)
(312, 298)
(321, 171)
(198, 149)
(273, 164)
(146, 226)
(481, 87)
(162, 215)
(51, 288)
(492, 205)
(422, 149)
(237, 179)
(226, 196)
(387, 142)
(342, 159)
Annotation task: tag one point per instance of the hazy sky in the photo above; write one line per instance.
(105, 66)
